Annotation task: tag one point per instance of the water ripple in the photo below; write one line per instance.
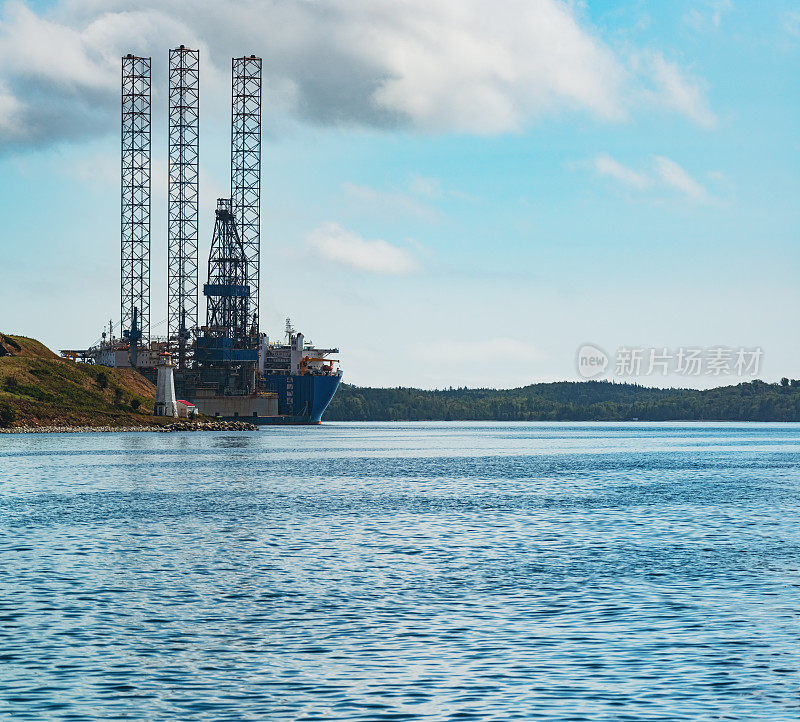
(403, 572)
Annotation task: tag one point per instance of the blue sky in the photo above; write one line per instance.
(454, 196)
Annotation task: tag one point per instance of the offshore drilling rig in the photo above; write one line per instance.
(226, 367)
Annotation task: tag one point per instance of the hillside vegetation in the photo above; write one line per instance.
(570, 401)
(24, 347)
(37, 388)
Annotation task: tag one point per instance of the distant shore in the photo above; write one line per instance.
(167, 428)
(571, 401)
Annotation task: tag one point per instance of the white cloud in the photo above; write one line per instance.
(472, 67)
(64, 76)
(672, 89)
(664, 174)
(605, 165)
(338, 245)
(675, 177)
(450, 66)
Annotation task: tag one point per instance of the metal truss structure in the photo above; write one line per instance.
(227, 291)
(246, 167)
(182, 193)
(135, 227)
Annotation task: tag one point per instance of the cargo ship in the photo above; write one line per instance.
(303, 378)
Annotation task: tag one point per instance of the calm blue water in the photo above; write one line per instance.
(403, 572)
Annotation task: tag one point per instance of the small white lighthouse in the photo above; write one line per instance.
(165, 388)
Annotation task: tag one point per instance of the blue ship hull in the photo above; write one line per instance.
(301, 399)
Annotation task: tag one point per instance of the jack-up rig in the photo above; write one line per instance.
(227, 367)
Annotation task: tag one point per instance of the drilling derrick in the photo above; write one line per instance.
(135, 228)
(182, 192)
(246, 168)
(228, 333)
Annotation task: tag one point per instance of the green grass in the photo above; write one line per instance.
(41, 389)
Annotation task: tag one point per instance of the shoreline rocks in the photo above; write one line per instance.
(167, 428)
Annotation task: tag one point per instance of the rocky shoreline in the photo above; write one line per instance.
(167, 428)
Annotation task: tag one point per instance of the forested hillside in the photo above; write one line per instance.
(570, 401)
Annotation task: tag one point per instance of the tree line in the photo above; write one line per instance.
(570, 401)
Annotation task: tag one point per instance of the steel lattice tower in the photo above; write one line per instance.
(227, 292)
(246, 167)
(135, 231)
(182, 192)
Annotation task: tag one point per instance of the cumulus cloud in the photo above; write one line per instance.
(339, 245)
(446, 66)
(471, 67)
(665, 173)
(60, 80)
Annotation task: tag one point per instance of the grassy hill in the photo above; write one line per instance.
(37, 388)
(24, 347)
(570, 401)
